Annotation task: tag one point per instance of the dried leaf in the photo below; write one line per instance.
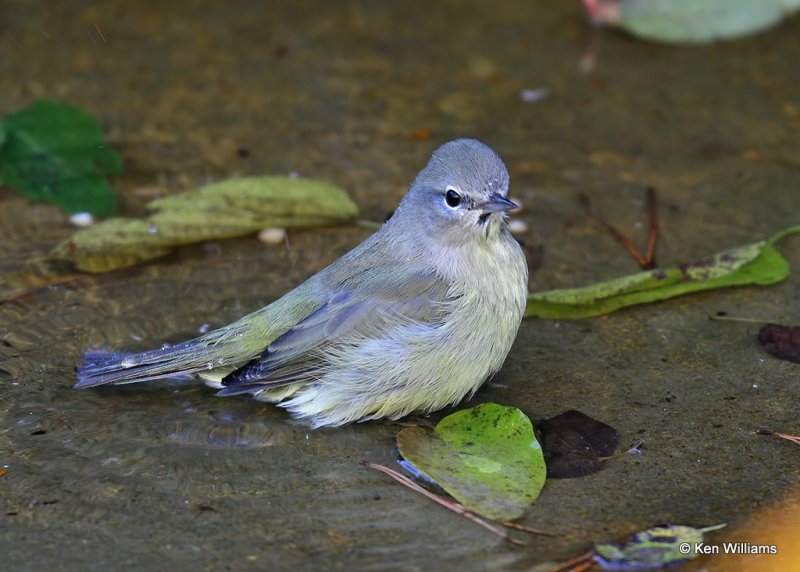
(757, 263)
(487, 457)
(781, 341)
(231, 208)
(657, 547)
(575, 445)
(55, 152)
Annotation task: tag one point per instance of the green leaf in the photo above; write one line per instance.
(487, 457)
(236, 207)
(55, 152)
(657, 547)
(699, 21)
(758, 263)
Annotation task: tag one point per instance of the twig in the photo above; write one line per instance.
(792, 438)
(646, 261)
(618, 236)
(735, 319)
(652, 228)
(635, 449)
(577, 564)
(450, 505)
(527, 529)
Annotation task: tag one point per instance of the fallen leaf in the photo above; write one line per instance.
(781, 341)
(55, 152)
(657, 547)
(758, 263)
(227, 209)
(575, 445)
(487, 457)
(691, 21)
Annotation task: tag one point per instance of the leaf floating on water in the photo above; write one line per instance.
(656, 547)
(758, 263)
(236, 207)
(691, 21)
(575, 445)
(781, 341)
(55, 152)
(487, 457)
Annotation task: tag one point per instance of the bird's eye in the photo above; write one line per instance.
(452, 198)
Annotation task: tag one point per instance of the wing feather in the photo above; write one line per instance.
(384, 298)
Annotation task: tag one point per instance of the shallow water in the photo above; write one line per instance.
(169, 476)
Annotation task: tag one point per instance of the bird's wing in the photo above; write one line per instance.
(361, 307)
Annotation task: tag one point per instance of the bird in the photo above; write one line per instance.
(414, 319)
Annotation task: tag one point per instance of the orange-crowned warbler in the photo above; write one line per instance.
(414, 318)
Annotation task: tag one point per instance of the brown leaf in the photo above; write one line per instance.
(575, 445)
(781, 341)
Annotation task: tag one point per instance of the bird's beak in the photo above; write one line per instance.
(497, 203)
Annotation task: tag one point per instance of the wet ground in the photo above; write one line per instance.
(169, 476)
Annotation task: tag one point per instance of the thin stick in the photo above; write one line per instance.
(792, 438)
(618, 236)
(527, 529)
(572, 565)
(453, 506)
(735, 319)
(652, 228)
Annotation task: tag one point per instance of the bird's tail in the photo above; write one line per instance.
(221, 348)
(101, 367)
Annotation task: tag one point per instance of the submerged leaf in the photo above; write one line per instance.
(222, 210)
(575, 445)
(757, 263)
(487, 457)
(691, 21)
(781, 341)
(657, 547)
(55, 152)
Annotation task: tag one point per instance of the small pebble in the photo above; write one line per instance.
(534, 95)
(272, 235)
(517, 226)
(81, 220)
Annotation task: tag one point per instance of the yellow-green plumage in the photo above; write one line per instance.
(413, 319)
